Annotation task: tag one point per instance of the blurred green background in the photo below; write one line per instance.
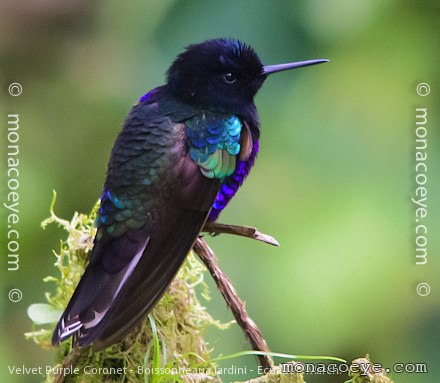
(332, 183)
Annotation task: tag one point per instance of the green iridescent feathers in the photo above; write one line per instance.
(214, 143)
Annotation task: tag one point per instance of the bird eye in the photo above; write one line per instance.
(229, 78)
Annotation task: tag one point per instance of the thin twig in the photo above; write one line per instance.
(244, 231)
(224, 284)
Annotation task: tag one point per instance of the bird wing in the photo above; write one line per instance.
(162, 179)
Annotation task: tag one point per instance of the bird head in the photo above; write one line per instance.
(221, 74)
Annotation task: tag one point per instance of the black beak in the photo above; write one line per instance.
(268, 69)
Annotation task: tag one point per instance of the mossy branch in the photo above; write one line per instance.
(169, 346)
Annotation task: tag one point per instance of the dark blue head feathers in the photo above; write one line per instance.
(224, 73)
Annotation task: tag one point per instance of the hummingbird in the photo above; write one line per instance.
(183, 152)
